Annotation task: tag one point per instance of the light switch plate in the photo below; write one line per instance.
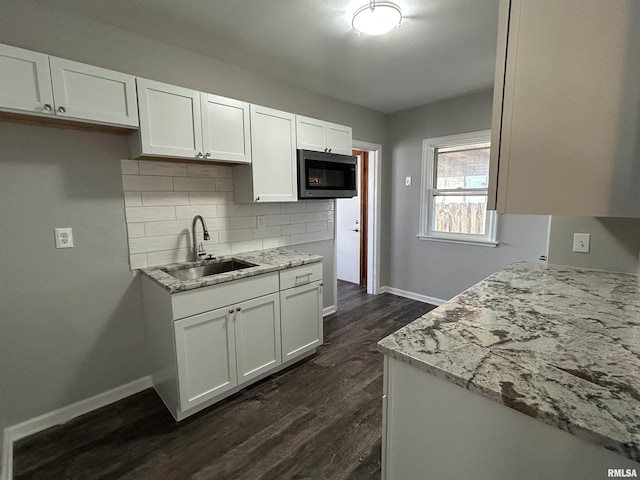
(581, 242)
(407, 181)
(64, 237)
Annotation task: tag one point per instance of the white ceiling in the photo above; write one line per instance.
(445, 47)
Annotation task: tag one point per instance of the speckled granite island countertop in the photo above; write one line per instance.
(265, 260)
(559, 344)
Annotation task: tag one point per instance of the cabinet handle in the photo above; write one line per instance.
(47, 107)
(238, 309)
(257, 199)
(199, 155)
(208, 154)
(303, 275)
(62, 109)
(231, 310)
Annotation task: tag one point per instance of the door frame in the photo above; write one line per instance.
(373, 219)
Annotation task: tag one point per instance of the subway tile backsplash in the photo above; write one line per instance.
(161, 198)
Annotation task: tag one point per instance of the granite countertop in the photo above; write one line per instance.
(265, 260)
(559, 344)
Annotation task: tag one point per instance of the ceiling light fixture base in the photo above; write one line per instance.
(377, 18)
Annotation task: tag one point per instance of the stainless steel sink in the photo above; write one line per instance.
(191, 273)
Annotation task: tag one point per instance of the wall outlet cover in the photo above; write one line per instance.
(407, 181)
(64, 237)
(581, 242)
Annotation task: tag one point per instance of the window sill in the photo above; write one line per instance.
(477, 243)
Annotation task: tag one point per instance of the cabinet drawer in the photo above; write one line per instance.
(293, 277)
(204, 299)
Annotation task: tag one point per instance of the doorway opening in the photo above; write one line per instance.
(357, 224)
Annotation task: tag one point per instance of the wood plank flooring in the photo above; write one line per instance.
(320, 419)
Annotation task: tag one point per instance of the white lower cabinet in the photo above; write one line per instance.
(301, 320)
(206, 356)
(257, 324)
(207, 343)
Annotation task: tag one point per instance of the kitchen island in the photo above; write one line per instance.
(548, 359)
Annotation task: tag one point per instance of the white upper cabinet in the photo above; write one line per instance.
(566, 118)
(225, 128)
(170, 121)
(339, 139)
(92, 93)
(35, 83)
(272, 176)
(321, 136)
(25, 83)
(179, 122)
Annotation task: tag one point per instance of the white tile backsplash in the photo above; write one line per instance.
(158, 199)
(190, 184)
(208, 198)
(149, 214)
(167, 169)
(132, 199)
(145, 183)
(161, 199)
(129, 167)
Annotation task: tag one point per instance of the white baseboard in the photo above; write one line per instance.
(329, 310)
(63, 415)
(413, 296)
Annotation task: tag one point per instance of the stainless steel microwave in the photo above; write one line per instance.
(326, 175)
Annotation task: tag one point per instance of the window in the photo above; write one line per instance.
(455, 182)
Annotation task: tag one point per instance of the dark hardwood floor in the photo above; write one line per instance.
(320, 419)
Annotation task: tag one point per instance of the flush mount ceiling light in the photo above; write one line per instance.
(377, 18)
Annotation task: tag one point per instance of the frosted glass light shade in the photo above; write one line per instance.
(377, 19)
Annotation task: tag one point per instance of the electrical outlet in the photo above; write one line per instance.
(260, 221)
(581, 242)
(64, 237)
(407, 181)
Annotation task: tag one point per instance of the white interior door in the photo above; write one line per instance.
(348, 236)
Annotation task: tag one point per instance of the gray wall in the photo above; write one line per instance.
(615, 243)
(71, 319)
(442, 270)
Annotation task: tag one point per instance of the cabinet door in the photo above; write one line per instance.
(257, 326)
(339, 139)
(95, 94)
(170, 121)
(206, 357)
(311, 134)
(569, 112)
(301, 320)
(25, 82)
(273, 148)
(225, 129)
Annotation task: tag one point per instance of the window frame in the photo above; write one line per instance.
(427, 197)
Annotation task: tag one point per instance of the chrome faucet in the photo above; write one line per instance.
(198, 250)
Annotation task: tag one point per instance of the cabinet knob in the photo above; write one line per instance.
(329, 150)
(238, 309)
(325, 149)
(199, 155)
(231, 310)
(208, 154)
(62, 109)
(257, 199)
(47, 107)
